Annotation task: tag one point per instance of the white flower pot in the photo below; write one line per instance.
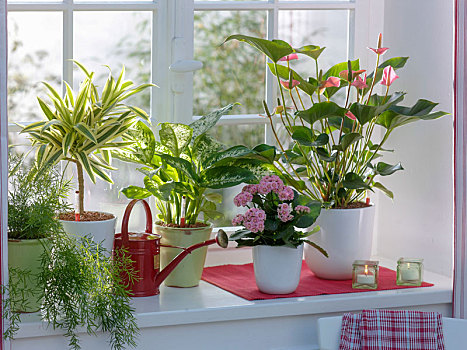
(277, 269)
(347, 235)
(100, 231)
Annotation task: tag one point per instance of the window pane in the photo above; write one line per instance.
(248, 135)
(35, 55)
(233, 72)
(115, 39)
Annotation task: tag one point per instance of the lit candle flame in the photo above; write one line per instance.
(366, 269)
(408, 266)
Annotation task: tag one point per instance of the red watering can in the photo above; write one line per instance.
(144, 251)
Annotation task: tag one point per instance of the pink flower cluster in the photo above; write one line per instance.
(283, 212)
(253, 220)
(302, 209)
(243, 198)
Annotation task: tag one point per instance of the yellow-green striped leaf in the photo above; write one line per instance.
(84, 130)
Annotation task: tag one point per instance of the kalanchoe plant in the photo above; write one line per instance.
(181, 168)
(83, 129)
(275, 211)
(333, 151)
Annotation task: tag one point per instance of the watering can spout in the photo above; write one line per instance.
(221, 239)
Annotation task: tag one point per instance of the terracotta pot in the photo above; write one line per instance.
(25, 255)
(188, 272)
(347, 235)
(277, 269)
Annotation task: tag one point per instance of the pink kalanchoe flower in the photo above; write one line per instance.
(237, 220)
(355, 73)
(287, 86)
(242, 199)
(331, 82)
(389, 75)
(283, 212)
(253, 189)
(253, 220)
(270, 183)
(350, 115)
(286, 194)
(302, 209)
(292, 56)
(360, 83)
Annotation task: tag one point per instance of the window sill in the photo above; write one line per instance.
(207, 307)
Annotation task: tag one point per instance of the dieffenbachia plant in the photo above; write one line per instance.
(83, 129)
(333, 150)
(186, 162)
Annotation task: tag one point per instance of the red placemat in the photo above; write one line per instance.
(240, 280)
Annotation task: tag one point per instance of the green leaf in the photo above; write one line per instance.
(320, 111)
(274, 49)
(309, 87)
(382, 188)
(265, 152)
(205, 147)
(145, 141)
(312, 51)
(225, 176)
(205, 123)
(316, 246)
(135, 192)
(180, 164)
(175, 137)
(355, 182)
(214, 197)
(84, 130)
(308, 219)
(305, 137)
(385, 169)
(334, 72)
(349, 139)
(232, 152)
(324, 155)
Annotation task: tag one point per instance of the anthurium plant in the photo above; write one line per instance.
(182, 166)
(84, 128)
(333, 154)
(275, 211)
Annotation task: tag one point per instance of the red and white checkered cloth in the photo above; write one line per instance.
(392, 330)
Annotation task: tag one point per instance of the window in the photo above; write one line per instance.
(148, 37)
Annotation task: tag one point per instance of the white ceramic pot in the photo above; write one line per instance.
(277, 269)
(100, 231)
(347, 235)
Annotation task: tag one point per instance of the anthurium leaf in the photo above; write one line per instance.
(135, 192)
(355, 182)
(205, 123)
(349, 139)
(383, 189)
(274, 49)
(324, 155)
(232, 152)
(336, 122)
(204, 147)
(385, 169)
(363, 113)
(266, 151)
(225, 176)
(312, 51)
(305, 137)
(320, 111)
(309, 87)
(394, 62)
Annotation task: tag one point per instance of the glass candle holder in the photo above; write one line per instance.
(365, 274)
(409, 272)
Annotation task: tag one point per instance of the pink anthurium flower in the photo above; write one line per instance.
(355, 73)
(360, 83)
(331, 82)
(389, 75)
(350, 115)
(286, 84)
(380, 50)
(292, 56)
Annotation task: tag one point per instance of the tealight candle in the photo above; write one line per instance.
(365, 274)
(409, 272)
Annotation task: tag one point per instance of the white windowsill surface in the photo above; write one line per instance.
(208, 303)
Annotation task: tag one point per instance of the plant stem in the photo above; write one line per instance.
(374, 80)
(79, 169)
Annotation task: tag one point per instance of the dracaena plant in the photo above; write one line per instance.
(182, 167)
(333, 145)
(84, 128)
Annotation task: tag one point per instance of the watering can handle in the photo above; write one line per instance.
(126, 219)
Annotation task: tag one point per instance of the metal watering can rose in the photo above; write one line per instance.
(144, 251)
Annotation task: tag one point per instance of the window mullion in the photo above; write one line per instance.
(67, 65)
(271, 84)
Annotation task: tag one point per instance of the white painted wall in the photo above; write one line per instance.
(419, 223)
